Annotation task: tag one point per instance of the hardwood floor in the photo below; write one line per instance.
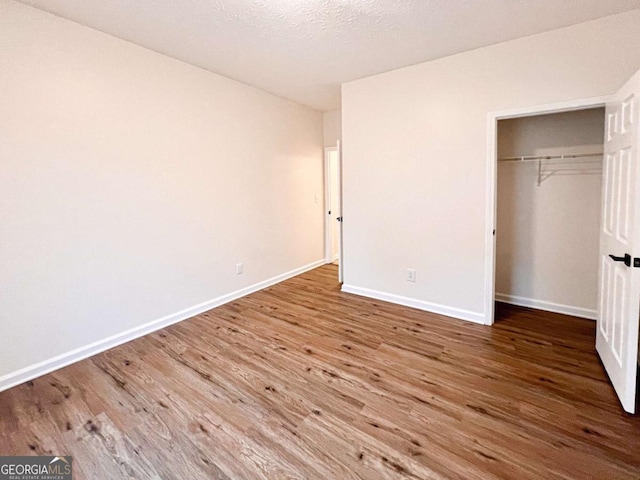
(303, 381)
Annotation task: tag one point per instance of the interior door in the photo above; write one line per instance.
(619, 283)
(334, 206)
(340, 218)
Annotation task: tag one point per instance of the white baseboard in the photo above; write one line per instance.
(547, 306)
(419, 304)
(47, 366)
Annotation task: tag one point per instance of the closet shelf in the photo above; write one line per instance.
(569, 164)
(536, 158)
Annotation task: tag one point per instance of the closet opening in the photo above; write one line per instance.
(544, 180)
(548, 208)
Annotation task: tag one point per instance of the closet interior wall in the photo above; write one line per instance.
(548, 213)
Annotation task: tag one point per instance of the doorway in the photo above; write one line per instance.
(333, 208)
(549, 191)
(492, 180)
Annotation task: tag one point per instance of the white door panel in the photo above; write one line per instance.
(340, 248)
(619, 283)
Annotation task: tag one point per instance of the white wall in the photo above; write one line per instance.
(332, 126)
(547, 237)
(415, 155)
(131, 184)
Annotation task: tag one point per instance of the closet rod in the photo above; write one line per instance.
(537, 158)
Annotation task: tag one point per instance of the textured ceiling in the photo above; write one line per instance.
(304, 49)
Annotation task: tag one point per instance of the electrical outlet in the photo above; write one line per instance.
(316, 198)
(239, 268)
(411, 275)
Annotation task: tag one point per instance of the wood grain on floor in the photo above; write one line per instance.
(303, 381)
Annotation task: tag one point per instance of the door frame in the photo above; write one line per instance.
(492, 181)
(328, 224)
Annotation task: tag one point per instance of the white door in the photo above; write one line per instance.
(619, 283)
(340, 219)
(333, 204)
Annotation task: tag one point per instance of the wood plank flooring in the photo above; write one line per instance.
(303, 381)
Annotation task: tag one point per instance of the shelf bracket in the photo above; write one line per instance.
(539, 172)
